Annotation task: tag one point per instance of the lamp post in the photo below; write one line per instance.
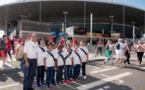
(65, 17)
(133, 33)
(111, 22)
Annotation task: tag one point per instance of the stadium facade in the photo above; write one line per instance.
(78, 14)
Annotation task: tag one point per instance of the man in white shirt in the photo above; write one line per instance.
(60, 64)
(85, 55)
(120, 52)
(40, 64)
(50, 63)
(77, 62)
(30, 55)
(68, 64)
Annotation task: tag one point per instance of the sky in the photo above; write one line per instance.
(136, 3)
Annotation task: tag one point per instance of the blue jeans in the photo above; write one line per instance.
(83, 68)
(40, 73)
(67, 73)
(29, 74)
(50, 75)
(76, 71)
(22, 65)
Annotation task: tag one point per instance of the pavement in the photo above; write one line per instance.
(99, 77)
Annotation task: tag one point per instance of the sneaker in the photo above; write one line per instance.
(58, 83)
(85, 77)
(47, 86)
(61, 82)
(54, 85)
(38, 85)
(70, 81)
(42, 83)
(65, 81)
(78, 79)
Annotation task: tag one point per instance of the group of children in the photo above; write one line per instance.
(64, 62)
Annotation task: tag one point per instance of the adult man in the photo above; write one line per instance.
(127, 52)
(119, 47)
(3, 50)
(30, 55)
(85, 55)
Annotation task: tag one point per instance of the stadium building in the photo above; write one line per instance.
(45, 16)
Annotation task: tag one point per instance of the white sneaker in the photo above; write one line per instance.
(85, 77)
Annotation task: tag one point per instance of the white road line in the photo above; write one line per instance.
(100, 82)
(100, 89)
(106, 87)
(70, 86)
(120, 81)
(1, 87)
(103, 70)
(142, 68)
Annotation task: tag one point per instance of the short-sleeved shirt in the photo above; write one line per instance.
(2, 44)
(60, 61)
(76, 58)
(84, 56)
(121, 47)
(30, 49)
(49, 59)
(68, 61)
(40, 55)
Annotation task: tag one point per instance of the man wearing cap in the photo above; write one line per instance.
(30, 55)
(120, 52)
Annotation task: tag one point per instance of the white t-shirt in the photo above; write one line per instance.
(73, 48)
(49, 58)
(40, 56)
(121, 47)
(84, 56)
(111, 46)
(60, 61)
(30, 49)
(68, 61)
(76, 58)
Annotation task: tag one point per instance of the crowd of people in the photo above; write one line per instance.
(63, 62)
(123, 51)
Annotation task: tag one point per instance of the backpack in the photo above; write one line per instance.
(2, 44)
(118, 46)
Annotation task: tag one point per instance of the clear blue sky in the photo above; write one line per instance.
(137, 3)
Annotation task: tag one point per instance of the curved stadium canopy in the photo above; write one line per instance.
(51, 11)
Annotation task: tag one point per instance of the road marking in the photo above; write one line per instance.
(100, 89)
(70, 86)
(100, 82)
(1, 87)
(142, 68)
(120, 81)
(106, 87)
(103, 70)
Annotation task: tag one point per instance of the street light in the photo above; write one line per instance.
(65, 16)
(133, 33)
(111, 22)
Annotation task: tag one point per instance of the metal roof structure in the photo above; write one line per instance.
(51, 11)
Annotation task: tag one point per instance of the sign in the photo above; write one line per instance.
(80, 31)
(70, 31)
